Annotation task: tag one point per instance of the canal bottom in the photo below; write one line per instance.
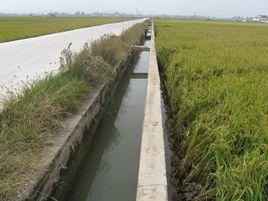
(110, 169)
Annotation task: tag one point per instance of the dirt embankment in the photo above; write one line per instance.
(178, 148)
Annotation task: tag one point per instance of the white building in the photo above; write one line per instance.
(260, 18)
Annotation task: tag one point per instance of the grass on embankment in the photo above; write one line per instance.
(217, 81)
(33, 117)
(14, 28)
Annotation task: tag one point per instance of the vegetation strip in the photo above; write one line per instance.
(14, 28)
(31, 120)
(216, 79)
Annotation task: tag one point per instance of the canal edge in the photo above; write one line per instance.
(152, 179)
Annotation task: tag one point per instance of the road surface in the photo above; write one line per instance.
(27, 59)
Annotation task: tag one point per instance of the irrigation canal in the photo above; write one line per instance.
(110, 168)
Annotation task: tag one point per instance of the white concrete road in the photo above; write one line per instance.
(25, 60)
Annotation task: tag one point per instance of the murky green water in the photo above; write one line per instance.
(110, 169)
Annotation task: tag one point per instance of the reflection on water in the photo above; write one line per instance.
(110, 169)
(142, 65)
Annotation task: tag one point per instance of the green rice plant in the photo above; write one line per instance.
(217, 81)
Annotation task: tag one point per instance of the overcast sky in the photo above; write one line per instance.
(219, 8)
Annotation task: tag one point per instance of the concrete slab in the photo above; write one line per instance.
(140, 48)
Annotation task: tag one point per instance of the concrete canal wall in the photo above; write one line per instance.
(152, 181)
(61, 161)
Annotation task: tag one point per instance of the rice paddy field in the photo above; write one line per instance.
(13, 28)
(216, 75)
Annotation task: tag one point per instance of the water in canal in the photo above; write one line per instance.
(110, 169)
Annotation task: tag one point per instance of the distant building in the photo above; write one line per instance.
(260, 18)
